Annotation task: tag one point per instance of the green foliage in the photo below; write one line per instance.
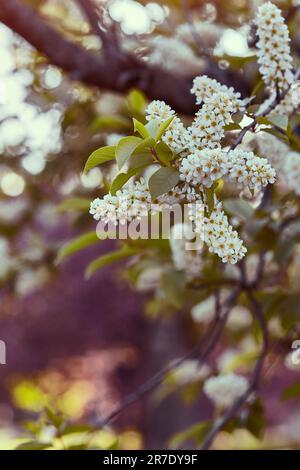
(109, 258)
(194, 434)
(107, 122)
(162, 181)
(99, 156)
(77, 244)
(125, 148)
(74, 204)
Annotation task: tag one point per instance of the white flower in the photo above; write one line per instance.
(132, 202)
(221, 238)
(224, 390)
(205, 88)
(204, 311)
(274, 56)
(190, 371)
(249, 170)
(159, 110)
(207, 129)
(203, 167)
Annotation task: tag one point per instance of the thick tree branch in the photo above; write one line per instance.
(115, 72)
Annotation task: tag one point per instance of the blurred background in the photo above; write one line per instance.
(78, 346)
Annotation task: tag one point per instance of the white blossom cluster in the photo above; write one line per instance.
(184, 259)
(221, 238)
(274, 55)
(175, 136)
(250, 170)
(205, 88)
(286, 162)
(225, 389)
(132, 202)
(204, 167)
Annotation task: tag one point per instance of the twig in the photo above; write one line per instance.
(271, 107)
(254, 383)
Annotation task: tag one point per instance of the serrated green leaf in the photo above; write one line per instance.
(77, 244)
(162, 181)
(107, 259)
(75, 204)
(125, 148)
(99, 156)
(140, 128)
(163, 127)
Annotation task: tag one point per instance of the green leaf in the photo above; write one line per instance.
(280, 135)
(121, 179)
(77, 244)
(239, 207)
(33, 445)
(99, 156)
(164, 152)
(237, 117)
(163, 127)
(74, 203)
(109, 258)
(144, 147)
(256, 421)
(125, 148)
(162, 181)
(110, 122)
(280, 121)
(54, 419)
(232, 127)
(152, 127)
(209, 193)
(140, 128)
(136, 101)
(195, 433)
(293, 391)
